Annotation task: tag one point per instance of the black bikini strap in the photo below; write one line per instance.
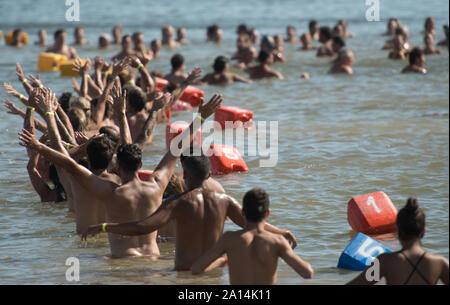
(414, 268)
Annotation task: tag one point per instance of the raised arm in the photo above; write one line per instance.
(303, 268)
(193, 76)
(16, 111)
(22, 79)
(238, 78)
(119, 106)
(167, 165)
(148, 85)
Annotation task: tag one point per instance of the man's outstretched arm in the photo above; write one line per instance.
(295, 262)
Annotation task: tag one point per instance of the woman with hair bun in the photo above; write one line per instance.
(411, 265)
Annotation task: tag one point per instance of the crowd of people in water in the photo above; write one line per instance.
(90, 149)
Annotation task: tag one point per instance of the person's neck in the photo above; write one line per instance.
(194, 184)
(59, 45)
(411, 244)
(259, 226)
(128, 176)
(98, 172)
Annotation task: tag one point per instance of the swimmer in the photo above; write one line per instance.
(278, 40)
(247, 56)
(221, 76)
(398, 52)
(411, 265)
(167, 37)
(444, 42)
(126, 49)
(60, 47)
(198, 210)
(79, 37)
(253, 252)
(338, 30)
(306, 43)
(155, 46)
(181, 36)
(214, 34)
(325, 37)
(177, 75)
(269, 45)
(291, 35)
(42, 35)
(404, 33)
(343, 63)
(138, 43)
(117, 34)
(337, 44)
(344, 24)
(254, 36)
(16, 40)
(314, 30)
(243, 41)
(429, 48)
(392, 25)
(103, 41)
(429, 26)
(416, 62)
(263, 70)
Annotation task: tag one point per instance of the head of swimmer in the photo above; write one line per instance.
(196, 169)
(255, 207)
(265, 58)
(417, 57)
(410, 222)
(60, 37)
(177, 62)
(129, 159)
(100, 151)
(220, 64)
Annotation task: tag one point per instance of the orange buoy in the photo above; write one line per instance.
(372, 214)
(144, 174)
(225, 159)
(191, 95)
(174, 129)
(234, 115)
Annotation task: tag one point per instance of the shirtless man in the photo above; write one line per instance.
(126, 49)
(134, 199)
(221, 76)
(253, 252)
(416, 62)
(181, 36)
(325, 37)
(177, 75)
(291, 35)
(411, 265)
(59, 46)
(199, 213)
(167, 37)
(343, 63)
(263, 70)
(429, 45)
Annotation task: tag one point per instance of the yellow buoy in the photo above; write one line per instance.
(50, 61)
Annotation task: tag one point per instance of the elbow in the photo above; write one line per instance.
(309, 273)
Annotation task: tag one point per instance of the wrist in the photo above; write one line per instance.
(103, 227)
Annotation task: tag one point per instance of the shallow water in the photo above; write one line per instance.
(339, 136)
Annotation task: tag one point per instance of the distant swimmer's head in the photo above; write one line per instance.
(410, 221)
(346, 57)
(78, 119)
(403, 31)
(126, 42)
(177, 62)
(430, 23)
(60, 36)
(181, 33)
(103, 41)
(214, 33)
(325, 34)
(278, 41)
(338, 43)
(256, 205)
(138, 38)
(196, 169)
(117, 32)
(136, 98)
(305, 39)
(243, 41)
(16, 35)
(343, 23)
(392, 26)
(242, 29)
(291, 32)
(268, 44)
(167, 32)
(78, 34)
(112, 132)
(129, 158)
(100, 151)
(338, 30)
(156, 45)
(248, 54)
(416, 57)
(220, 64)
(42, 34)
(313, 27)
(265, 57)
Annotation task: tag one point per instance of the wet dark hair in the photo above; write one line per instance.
(242, 29)
(100, 152)
(415, 54)
(136, 97)
(211, 30)
(177, 61)
(255, 204)
(410, 220)
(59, 189)
(312, 23)
(263, 55)
(197, 167)
(58, 32)
(325, 31)
(339, 41)
(64, 101)
(220, 63)
(111, 133)
(78, 119)
(83, 162)
(129, 157)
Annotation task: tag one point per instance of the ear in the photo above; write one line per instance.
(268, 213)
(140, 165)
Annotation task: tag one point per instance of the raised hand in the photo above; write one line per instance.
(19, 72)
(12, 108)
(144, 58)
(135, 61)
(161, 102)
(10, 89)
(35, 81)
(34, 96)
(206, 110)
(194, 75)
(28, 139)
(119, 98)
(47, 100)
(117, 68)
(291, 239)
(80, 68)
(80, 137)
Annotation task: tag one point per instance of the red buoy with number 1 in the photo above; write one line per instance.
(372, 214)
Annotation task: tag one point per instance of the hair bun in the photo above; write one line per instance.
(412, 205)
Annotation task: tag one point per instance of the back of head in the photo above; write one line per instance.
(338, 40)
(129, 157)
(345, 54)
(255, 204)
(410, 221)
(80, 102)
(78, 119)
(100, 151)
(196, 168)
(177, 61)
(312, 24)
(414, 55)
(64, 101)
(220, 64)
(263, 55)
(111, 132)
(136, 97)
(58, 33)
(325, 33)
